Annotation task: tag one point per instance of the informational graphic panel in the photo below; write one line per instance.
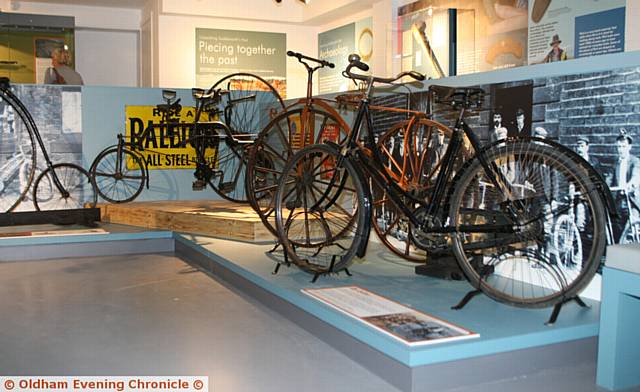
(223, 52)
(400, 322)
(164, 146)
(489, 35)
(57, 113)
(564, 29)
(336, 45)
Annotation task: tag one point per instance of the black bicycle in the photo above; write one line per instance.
(494, 214)
(222, 132)
(58, 186)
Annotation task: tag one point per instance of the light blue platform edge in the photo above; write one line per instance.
(619, 342)
(85, 238)
(488, 344)
(410, 356)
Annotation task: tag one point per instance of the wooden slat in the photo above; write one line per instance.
(212, 218)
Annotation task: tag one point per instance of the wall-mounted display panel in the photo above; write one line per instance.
(335, 46)
(495, 34)
(223, 52)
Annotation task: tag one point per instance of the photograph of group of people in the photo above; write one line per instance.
(565, 110)
(614, 159)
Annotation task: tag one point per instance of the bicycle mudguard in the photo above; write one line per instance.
(594, 176)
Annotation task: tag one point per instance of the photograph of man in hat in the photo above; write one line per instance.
(556, 53)
(624, 183)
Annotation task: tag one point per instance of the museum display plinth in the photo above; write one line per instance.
(214, 218)
(619, 343)
(513, 342)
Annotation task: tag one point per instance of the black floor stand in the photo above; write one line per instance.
(79, 216)
(468, 297)
(558, 307)
(286, 258)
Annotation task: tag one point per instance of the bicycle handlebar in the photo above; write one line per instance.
(301, 57)
(354, 61)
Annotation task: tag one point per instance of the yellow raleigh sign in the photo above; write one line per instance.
(167, 146)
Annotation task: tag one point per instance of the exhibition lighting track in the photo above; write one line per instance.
(305, 2)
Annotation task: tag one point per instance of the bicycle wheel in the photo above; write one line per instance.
(17, 153)
(319, 209)
(77, 188)
(119, 177)
(277, 142)
(250, 104)
(567, 244)
(229, 167)
(411, 153)
(503, 239)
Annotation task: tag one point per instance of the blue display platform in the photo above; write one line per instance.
(517, 341)
(619, 344)
(513, 342)
(118, 240)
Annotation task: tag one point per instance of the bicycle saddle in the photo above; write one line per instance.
(199, 93)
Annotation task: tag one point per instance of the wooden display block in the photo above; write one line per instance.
(213, 218)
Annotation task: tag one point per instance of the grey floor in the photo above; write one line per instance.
(155, 315)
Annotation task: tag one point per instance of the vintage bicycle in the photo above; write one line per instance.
(323, 204)
(315, 120)
(223, 130)
(305, 121)
(58, 186)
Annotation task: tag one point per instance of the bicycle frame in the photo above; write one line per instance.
(381, 177)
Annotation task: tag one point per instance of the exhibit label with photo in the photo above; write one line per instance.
(405, 324)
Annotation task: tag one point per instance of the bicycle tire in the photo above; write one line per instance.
(567, 242)
(516, 268)
(18, 153)
(320, 204)
(249, 116)
(118, 186)
(414, 169)
(74, 179)
(230, 164)
(277, 142)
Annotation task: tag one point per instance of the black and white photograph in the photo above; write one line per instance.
(57, 114)
(412, 327)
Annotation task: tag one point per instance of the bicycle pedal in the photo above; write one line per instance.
(198, 185)
(227, 187)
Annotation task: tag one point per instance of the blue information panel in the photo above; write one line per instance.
(600, 33)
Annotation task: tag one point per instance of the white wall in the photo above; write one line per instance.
(289, 11)
(176, 37)
(108, 57)
(85, 16)
(107, 50)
